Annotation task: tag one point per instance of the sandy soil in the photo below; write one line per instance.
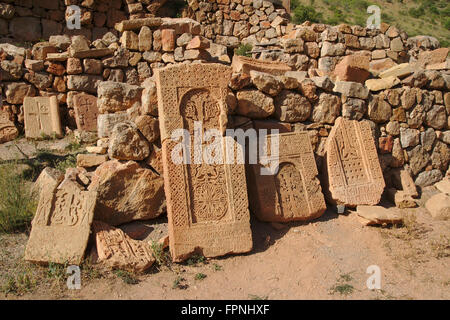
(323, 259)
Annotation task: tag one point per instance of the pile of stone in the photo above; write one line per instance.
(229, 22)
(28, 20)
(70, 68)
(120, 180)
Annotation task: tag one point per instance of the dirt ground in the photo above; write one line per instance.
(323, 259)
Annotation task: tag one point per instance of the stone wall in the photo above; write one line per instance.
(33, 20)
(399, 84)
(228, 22)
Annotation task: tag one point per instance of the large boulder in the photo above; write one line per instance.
(127, 192)
(254, 104)
(292, 107)
(127, 143)
(439, 206)
(116, 96)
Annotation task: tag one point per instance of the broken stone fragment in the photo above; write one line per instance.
(382, 84)
(90, 160)
(127, 192)
(401, 199)
(444, 185)
(439, 206)
(127, 143)
(117, 250)
(61, 225)
(376, 215)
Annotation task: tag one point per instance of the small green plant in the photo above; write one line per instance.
(126, 276)
(73, 146)
(195, 260)
(158, 253)
(69, 162)
(18, 285)
(304, 13)
(217, 267)
(200, 276)
(342, 287)
(57, 271)
(244, 50)
(17, 202)
(178, 283)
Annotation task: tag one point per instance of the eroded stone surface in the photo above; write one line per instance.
(353, 173)
(294, 192)
(245, 65)
(206, 203)
(61, 226)
(117, 250)
(42, 117)
(86, 111)
(8, 130)
(127, 192)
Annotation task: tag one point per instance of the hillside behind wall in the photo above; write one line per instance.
(410, 120)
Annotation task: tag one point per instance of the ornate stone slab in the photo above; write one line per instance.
(61, 226)
(354, 172)
(86, 111)
(293, 192)
(207, 204)
(41, 117)
(117, 250)
(244, 65)
(8, 130)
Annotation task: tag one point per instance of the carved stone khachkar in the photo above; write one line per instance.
(207, 204)
(41, 117)
(117, 250)
(292, 193)
(8, 130)
(61, 226)
(86, 111)
(352, 172)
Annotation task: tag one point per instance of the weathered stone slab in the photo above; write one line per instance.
(294, 192)
(126, 192)
(86, 111)
(61, 226)
(207, 204)
(352, 170)
(8, 130)
(117, 250)
(42, 117)
(244, 65)
(136, 24)
(373, 215)
(92, 53)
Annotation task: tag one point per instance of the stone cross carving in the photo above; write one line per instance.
(354, 172)
(294, 192)
(42, 117)
(61, 226)
(207, 203)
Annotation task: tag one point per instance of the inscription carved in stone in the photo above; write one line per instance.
(294, 192)
(354, 172)
(86, 111)
(206, 202)
(41, 117)
(61, 226)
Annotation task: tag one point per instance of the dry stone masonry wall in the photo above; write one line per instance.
(359, 111)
